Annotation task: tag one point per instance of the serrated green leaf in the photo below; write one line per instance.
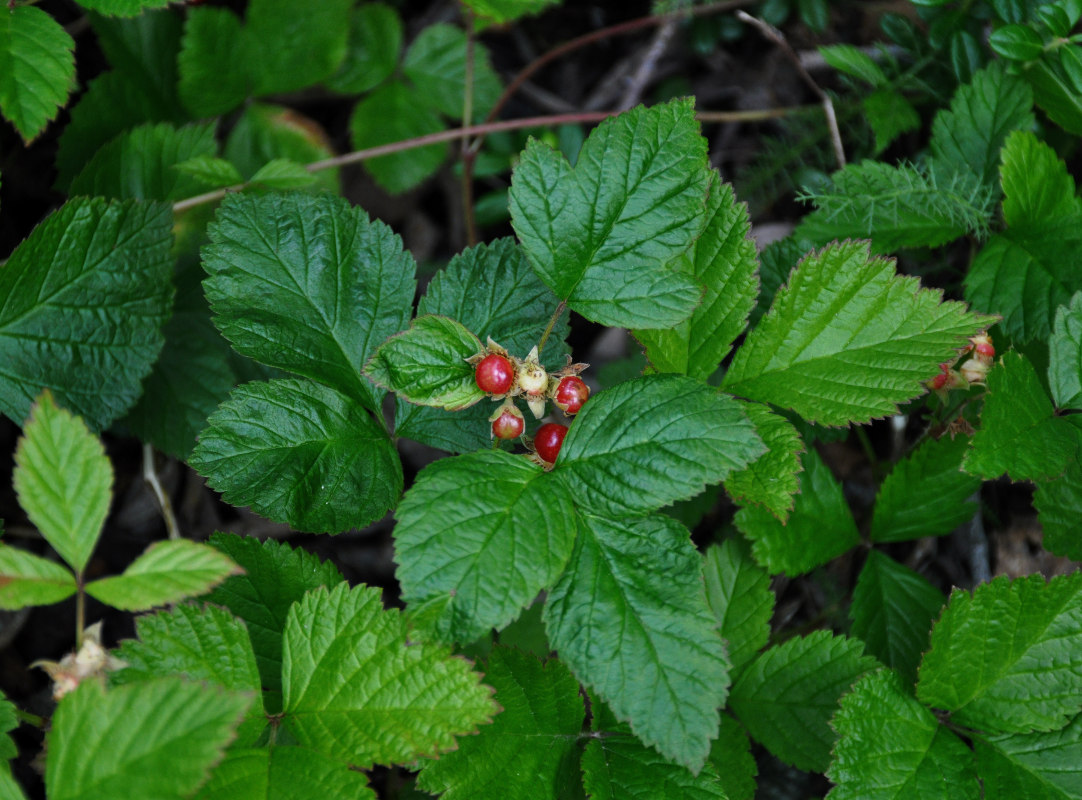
(968, 136)
(1065, 355)
(85, 296)
(1019, 434)
(151, 739)
(353, 690)
(436, 63)
(1037, 766)
(1016, 42)
(500, 11)
(1059, 507)
(890, 747)
(731, 756)
(819, 528)
(530, 749)
(275, 577)
(892, 612)
(63, 480)
(848, 339)
(393, 113)
(786, 697)
(1036, 184)
(309, 284)
(890, 115)
(738, 592)
(1054, 89)
(37, 68)
(214, 74)
(287, 50)
(629, 616)
(651, 441)
(210, 171)
(723, 260)
(926, 494)
(166, 573)
(276, 772)
(139, 164)
(427, 364)
(1004, 659)
(603, 234)
(265, 132)
(772, 480)
(619, 767)
(282, 174)
(375, 41)
(123, 8)
(30, 580)
(144, 49)
(300, 452)
(477, 538)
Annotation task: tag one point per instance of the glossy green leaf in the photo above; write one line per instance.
(287, 50)
(300, 452)
(772, 480)
(738, 591)
(210, 171)
(786, 697)
(724, 261)
(619, 767)
(278, 772)
(1037, 766)
(603, 235)
(1004, 659)
(1065, 355)
(1019, 433)
(85, 296)
(648, 442)
(629, 616)
(926, 494)
(30, 580)
(890, 747)
(156, 738)
(281, 174)
(477, 537)
(731, 756)
(1059, 507)
(37, 68)
(375, 41)
(819, 528)
(63, 480)
(309, 284)
(166, 573)
(531, 748)
(353, 690)
(436, 64)
(848, 339)
(214, 75)
(892, 612)
(427, 364)
(1054, 89)
(264, 132)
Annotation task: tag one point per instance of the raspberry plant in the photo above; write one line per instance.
(275, 341)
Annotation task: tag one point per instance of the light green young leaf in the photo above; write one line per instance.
(300, 452)
(629, 616)
(287, 50)
(531, 748)
(1036, 766)
(786, 697)
(156, 738)
(123, 8)
(85, 296)
(819, 528)
(890, 747)
(392, 113)
(275, 577)
(477, 537)
(166, 573)
(731, 756)
(1036, 184)
(30, 580)
(1020, 434)
(427, 364)
(1065, 355)
(353, 690)
(436, 63)
(723, 260)
(772, 480)
(738, 592)
(926, 494)
(210, 171)
(650, 441)
(603, 235)
(309, 284)
(619, 767)
(375, 41)
(214, 76)
(1059, 507)
(848, 339)
(1004, 659)
(277, 772)
(892, 612)
(63, 480)
(9, 787)
(282, 174)
(37, 68)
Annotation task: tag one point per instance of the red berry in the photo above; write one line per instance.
(571, 393)
(495, 374)
(549, 440)
(939, 381)
(985, 349)
(509, 424)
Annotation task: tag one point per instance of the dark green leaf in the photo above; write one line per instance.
(1036, 766)
(277, 771)
(123, 8)
(772, 480)
(738, 591)
(375, 40)
(1059, 507)
(1037, 187)
(890, 115)
(287, 50)
(436, 63)
(265, 132)
(619, 767)
(1065, 356)
(853, 61)
(37, 68)
(731, 756)
(1016, 42)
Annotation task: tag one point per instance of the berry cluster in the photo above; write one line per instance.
(502, 376)
(973, 370)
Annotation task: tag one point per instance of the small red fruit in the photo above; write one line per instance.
(571, 392)
(508, 422)
(494, 374)
(549, 440)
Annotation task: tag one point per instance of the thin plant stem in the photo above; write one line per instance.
(80, 612)
(552, 324)
(150, 475)
(29, 719)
